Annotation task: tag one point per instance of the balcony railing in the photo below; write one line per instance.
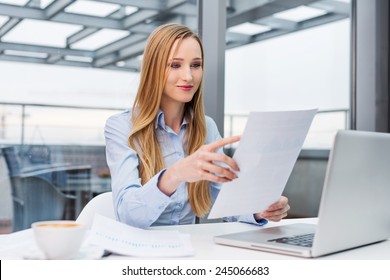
(71, 125)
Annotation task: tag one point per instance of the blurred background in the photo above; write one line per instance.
(67, 65)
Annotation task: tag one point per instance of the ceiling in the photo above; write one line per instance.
(111, 34)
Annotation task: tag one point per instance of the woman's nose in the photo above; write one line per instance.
(186, 74)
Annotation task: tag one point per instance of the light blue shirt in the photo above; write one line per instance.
(145, 205)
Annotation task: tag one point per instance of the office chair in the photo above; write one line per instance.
(64, 181)
(15, 165)
(101, 204)
(57, 173)
(36, 199)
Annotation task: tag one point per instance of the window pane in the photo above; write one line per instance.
(305, 69)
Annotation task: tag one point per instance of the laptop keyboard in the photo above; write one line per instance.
(305, 240)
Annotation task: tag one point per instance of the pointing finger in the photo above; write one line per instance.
(222, 142)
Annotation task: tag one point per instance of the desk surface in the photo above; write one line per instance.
(205, 248)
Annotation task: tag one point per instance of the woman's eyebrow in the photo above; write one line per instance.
(182, 59)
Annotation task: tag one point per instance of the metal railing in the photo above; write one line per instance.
(28, 123)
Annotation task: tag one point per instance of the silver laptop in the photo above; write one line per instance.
(354, 209)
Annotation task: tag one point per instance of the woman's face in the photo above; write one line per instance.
(185, 73)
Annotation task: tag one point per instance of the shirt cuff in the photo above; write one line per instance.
(250, 219)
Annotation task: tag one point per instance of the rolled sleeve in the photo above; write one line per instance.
(135, 204)
(142, 206)
(250, 219)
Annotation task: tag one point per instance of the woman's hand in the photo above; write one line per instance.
(201, 165)
(276, 211)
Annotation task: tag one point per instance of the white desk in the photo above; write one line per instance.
(206, 249)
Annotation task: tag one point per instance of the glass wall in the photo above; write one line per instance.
(61, 80)
(289, 67)
(301, 70)
(52, 161)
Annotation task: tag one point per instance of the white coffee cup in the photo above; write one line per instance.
(59, 240)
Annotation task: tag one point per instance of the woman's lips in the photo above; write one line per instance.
(187, 88)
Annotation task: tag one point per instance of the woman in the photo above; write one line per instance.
(164, 155)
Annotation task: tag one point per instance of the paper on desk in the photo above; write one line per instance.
(126, 240)
(266, 155)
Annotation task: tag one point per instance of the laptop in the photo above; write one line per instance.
(354, 208)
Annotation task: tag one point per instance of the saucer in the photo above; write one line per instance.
(86, 252)
(89, 252)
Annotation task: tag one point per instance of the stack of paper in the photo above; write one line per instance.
(126, 240)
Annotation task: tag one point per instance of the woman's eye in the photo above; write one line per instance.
(175, 65)
(196, 65)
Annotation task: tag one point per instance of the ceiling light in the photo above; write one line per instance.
(78, 58)
(249, 28)
(25, 53)
(300, 13)
(100, 39)
(15, 2)
(45, 3)
(39, 32)
(92, 8)
(130, 10)
(3, 20)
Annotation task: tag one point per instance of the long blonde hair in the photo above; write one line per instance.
(154, 72)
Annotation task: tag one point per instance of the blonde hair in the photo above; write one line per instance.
(143, 139)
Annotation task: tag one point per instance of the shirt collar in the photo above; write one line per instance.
(161, 122)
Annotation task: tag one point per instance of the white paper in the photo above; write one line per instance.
(16, 245)
(266, 155)
(126, 240)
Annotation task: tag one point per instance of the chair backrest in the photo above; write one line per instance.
(36, 199)
(12, 160)
(101, 204)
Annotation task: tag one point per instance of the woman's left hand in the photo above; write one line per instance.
(276, 211)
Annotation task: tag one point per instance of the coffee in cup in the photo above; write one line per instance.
(59, 239)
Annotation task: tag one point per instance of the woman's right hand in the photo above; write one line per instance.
(204, 164)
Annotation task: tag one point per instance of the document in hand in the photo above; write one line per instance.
(266, 155)
(126, 240)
